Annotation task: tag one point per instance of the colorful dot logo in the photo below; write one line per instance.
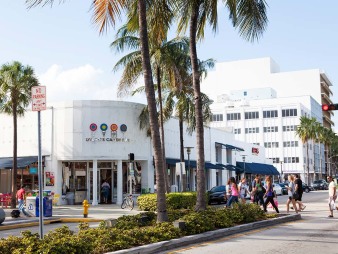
(114, 127)
(103, 127)
(123, 127)
(93, 127)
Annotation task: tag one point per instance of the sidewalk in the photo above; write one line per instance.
(69, 213)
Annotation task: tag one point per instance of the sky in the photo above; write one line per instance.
(73, 61)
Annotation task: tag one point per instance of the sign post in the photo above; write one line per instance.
(38, 104)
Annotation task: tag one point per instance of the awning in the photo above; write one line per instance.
(209, 165)
(231, 147)
(257, 168)
(231, 168)
(22, 161)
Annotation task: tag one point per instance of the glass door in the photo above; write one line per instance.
(114, 185)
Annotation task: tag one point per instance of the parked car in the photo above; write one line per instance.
(307, 188)
(284, 189)
(217, 195)
(320, 185)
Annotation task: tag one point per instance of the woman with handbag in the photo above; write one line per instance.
(269, 194)
(291, 194)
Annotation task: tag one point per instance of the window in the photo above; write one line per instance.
(217, 117)
(237, 131)
(290, 128)
(257, 144)
(290, 144)
(271, 144)
(234, 116)
(291, 160)
(274, 160)
(270, 129)
(245, 93)
(289, 112)
(270, 113)
(251, 115)
(252, 130)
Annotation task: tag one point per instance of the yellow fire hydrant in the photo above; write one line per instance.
(85, 208)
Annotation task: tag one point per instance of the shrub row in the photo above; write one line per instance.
(130, 231)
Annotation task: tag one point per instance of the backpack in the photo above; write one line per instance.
(15, 213)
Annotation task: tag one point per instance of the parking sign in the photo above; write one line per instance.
(38, 98)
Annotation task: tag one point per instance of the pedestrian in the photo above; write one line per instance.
(21, 197)
(105, 187)
(228, 190)
(299, 190)
(332, 195)
(269, 194)
(234, 192)
(291, 190)
(257, 189)
(243, 189)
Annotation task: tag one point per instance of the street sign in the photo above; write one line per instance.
(38, 98)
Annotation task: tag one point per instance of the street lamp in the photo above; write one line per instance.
(188, 172)
(281, 171)
(243, 157)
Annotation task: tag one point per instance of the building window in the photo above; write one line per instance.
(271, 144)
(237, 131)
(274, 160)
(252, 130)
(270, 129)
(289, 112)
(291, 160)
(245, 93)
(290, 128)
(270, 113)
(234, 116)
(217, 118)
(290, 144)
(257, 144)
(251, 115)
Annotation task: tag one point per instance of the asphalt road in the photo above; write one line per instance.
(315, 233)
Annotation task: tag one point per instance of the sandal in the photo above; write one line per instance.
(330, 216)
(303, 208)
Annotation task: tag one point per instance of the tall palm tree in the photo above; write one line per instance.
(328, 138)
(16, 82)
(305, 131)
(249, 16)
(105, 13)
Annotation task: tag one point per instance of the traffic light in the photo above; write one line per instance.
(328, 107)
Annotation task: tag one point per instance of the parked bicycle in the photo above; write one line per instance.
(128, 202)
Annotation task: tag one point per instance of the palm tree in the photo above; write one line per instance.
(328, 138)
(305, 131)
(16, 82)
(105, 13)
(249, 16)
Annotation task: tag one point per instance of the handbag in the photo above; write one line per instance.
(295, 195)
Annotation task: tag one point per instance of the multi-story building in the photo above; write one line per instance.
(257, 115)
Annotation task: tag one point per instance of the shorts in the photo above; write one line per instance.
(290, 198)
(299, 197)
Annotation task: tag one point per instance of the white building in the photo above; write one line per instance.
(86, 142)
(263, 105)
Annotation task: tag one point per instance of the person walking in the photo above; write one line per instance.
(234, 192)
(20, 196)
(269, 194)
(257, 189)
(332, 195)
(105, 187)
(243, 189)
(299, 190)
(291, 190)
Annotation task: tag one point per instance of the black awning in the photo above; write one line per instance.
(257, 168)
(192, 163)
(231, 167)
(22, 161)
(209, 165)
(231, 147)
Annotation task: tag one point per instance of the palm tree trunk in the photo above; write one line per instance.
(15, 158)
(308, 163)
(201, 198)
(180, 123)
(159, 91)
(153, 119)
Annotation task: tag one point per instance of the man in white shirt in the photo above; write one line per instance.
(332, 195)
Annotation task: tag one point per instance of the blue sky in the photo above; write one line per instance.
(74, 62)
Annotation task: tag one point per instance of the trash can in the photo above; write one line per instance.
(70, 197)
(32, 207)
(47, 207)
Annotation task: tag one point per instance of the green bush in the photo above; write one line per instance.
(199, 222)
(181, 200)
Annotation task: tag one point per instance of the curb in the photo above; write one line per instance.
(207, 236)
(49, 221)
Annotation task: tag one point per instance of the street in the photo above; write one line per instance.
(311, 235)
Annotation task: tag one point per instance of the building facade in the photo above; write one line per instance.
(87, 142)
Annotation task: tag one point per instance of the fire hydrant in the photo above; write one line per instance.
(85, 208)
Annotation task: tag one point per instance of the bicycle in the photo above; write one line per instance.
(128, 201)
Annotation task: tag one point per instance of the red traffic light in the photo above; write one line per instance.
(328, 107)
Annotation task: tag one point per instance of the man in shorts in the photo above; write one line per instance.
(332, 195)
(299, 190)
